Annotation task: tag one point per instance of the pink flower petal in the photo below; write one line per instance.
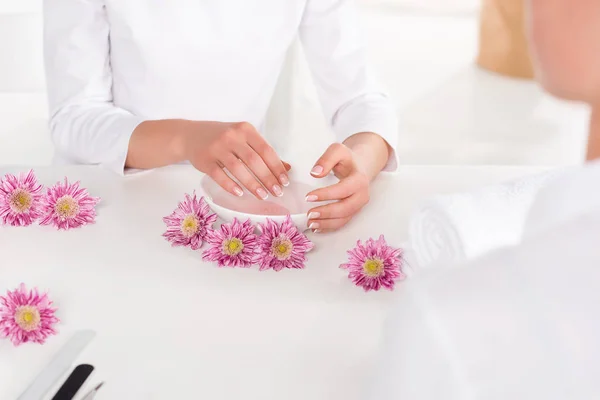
(36, 330)
(20, 199)
(386, 263)
(218, 239)
(294, 245)
(68, 206)
(189, 223)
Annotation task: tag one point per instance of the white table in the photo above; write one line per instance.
(170, 326)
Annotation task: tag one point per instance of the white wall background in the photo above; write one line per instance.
(423, 51)
(23, 114)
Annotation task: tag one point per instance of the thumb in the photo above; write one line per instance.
(335, 154)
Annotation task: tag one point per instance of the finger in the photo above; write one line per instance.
(223, 180)
(339, 209)
(336, 153)
(344, 188)
(256, 164)
(238, 169)
(269, 157)
(328, 225)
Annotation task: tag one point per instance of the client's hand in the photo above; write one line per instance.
(351, 192)
(240, 149)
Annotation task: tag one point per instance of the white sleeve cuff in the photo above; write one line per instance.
(370, 116)
(122, 128)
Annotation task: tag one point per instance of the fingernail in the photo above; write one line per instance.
(284, 180)
(317, 231)
(277, 190)
(314, 215)
(317, 170)
(311, 197)
(238, 192)
(314, 226)
(262, 193)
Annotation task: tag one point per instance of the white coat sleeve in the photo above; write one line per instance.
(350, 97)
(86, 127)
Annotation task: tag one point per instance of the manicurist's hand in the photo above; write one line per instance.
(212, 147)
(355, 163)
(240, 149)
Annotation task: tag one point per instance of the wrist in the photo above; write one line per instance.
(593, 145)
(183, 131)
(371, 152)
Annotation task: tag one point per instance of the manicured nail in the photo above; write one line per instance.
(317, 231)
(277, 190)
(314, 215)
(317, 170)
(284, 180)
(238, 192)
(314, 226)
(311, 197)
(262, 193)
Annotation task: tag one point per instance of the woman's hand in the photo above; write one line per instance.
(351, 192)
(213, 146)
(355, 163)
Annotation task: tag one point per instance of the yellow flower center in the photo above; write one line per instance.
(66, 207)
(233, 246)
(28, 318)
(282, 248)
(190, 225)
(373, 267)
(20, 201)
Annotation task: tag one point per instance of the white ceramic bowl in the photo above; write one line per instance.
(228, 206)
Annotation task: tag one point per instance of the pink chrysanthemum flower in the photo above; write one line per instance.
(374, 264)
(281, 246)
(189, 223)
(68, 206)
(26, 316)
(232, 245)
(20, 199)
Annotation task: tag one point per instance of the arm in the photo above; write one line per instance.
(87, 127)
(371, 151)
(84, 123)
(361, 116)
(351, 99)
(593, 146)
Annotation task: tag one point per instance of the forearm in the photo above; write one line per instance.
(593, 150)
(159, 143)
(593, 147)
(371, 151)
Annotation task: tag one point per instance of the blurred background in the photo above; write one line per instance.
(425, 52)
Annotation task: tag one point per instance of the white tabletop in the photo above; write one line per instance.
(170, 326)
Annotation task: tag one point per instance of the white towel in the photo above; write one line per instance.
(452, 228)
(514, 324)
(564, 199)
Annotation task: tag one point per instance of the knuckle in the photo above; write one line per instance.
(214, 172)
(252, 158)
(231, 165)
(228, 136)
(340, 148)
(244, 126)
(337, 146)
(268, 152)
